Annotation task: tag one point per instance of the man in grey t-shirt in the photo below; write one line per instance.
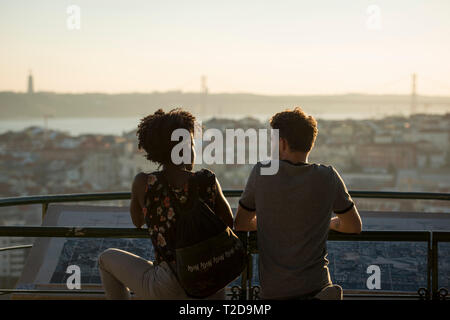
(292, 211)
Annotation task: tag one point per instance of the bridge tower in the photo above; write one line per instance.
(413, 94)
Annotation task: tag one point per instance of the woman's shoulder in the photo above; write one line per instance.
(205, 172)
(206, 177)
(140, 179)
(146, 178)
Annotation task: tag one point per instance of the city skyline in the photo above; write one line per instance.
(205, 90)
(286, 48)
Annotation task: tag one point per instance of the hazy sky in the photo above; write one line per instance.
(269, 47)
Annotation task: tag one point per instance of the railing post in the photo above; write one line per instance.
(44, 210)
(429, 293)
(252, 245)
(435, 271)
(244, 279)
(250, 276)
(247, 272)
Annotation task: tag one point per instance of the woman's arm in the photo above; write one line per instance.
(137, 199)
(222, 207)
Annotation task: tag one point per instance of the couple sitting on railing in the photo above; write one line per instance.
(291, 210)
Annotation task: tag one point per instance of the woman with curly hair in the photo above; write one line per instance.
(122, 271)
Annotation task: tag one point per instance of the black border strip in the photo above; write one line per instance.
(345, 210)
(245, 207)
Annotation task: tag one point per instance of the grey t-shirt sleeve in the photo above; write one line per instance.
(343, 201)
(247, 200)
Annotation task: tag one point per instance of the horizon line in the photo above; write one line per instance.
(228, 93)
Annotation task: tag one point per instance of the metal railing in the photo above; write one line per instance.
(249, 238)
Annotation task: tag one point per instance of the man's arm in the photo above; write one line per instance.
(137, 200)
(347, 222)
(347, 218)
(246, 213)
(245, 220)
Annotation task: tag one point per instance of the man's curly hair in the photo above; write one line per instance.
(155, 131)
(299, 129)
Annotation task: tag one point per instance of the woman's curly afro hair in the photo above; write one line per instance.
(155, 131)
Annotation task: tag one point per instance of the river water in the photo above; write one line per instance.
(116, 126)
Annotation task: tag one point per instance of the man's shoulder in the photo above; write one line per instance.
(315, 166)
(324, 168)
(260, 167)
(327, 172)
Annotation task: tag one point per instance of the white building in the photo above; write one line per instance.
(438, 137)
(100, 169)
(430, 156)
(130, 165)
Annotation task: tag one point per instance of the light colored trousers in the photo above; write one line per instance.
(122, 271)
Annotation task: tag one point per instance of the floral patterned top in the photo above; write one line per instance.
(161, 217)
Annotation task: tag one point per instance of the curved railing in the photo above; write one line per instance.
(249, 238)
